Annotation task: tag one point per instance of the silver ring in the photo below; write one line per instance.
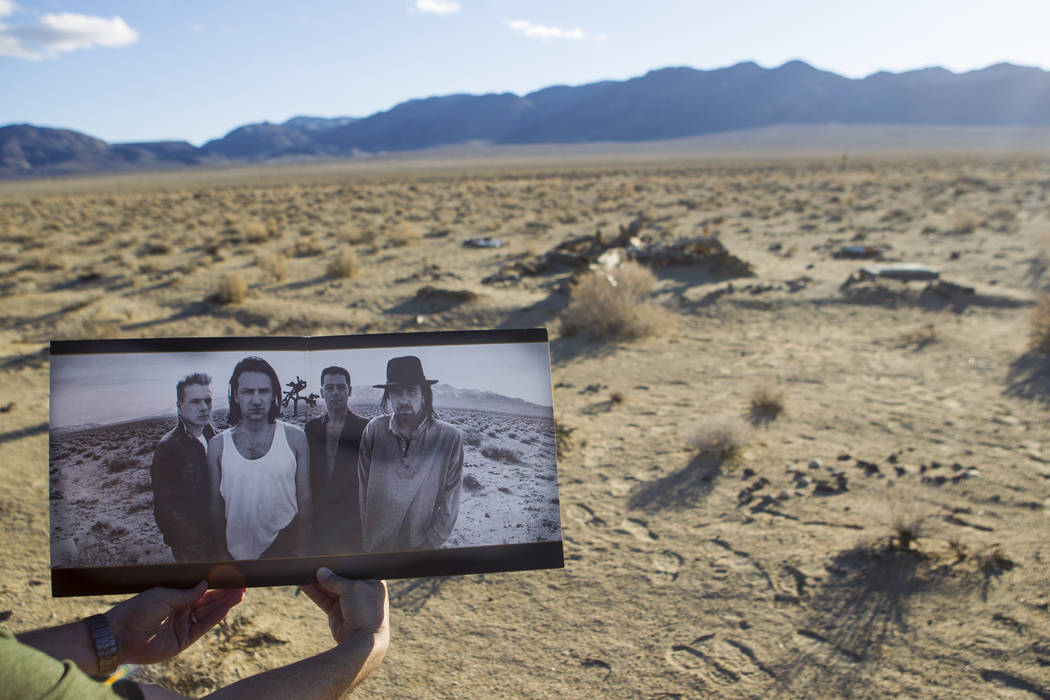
(193, 619)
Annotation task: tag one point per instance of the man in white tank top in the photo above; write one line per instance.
(259, 470)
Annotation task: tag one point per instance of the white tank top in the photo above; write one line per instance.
(259, 494)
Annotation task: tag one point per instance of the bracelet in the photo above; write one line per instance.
(105, 643)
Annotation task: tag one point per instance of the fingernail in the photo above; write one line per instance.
(325, 572)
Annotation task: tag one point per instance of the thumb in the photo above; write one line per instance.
(188, 596)
(333, 582)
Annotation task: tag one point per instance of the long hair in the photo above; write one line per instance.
(254, 364)
(428, 402)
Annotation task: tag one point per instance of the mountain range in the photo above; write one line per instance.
(668, 103)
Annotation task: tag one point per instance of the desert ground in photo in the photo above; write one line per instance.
(102, 497)
(777, 479)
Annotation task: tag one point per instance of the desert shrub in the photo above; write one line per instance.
(964, 221)
(404, 233)
(254, 231)
(343, 265)
(1002, 220)
(993, 562)
(615, 304)
(921, 336)
(274, 264)
(1039, 325)
(767, 401)
(307, 249)
(232, 289)
(120, 462)
(472, 438)
(502, 454)
(905, 530)
(720, 436)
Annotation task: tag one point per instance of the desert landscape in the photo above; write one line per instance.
(102, 497)
(779, 476)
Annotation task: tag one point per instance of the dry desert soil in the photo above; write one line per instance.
(781, 486)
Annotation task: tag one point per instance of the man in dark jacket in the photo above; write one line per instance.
(334, 441)
(180, 476)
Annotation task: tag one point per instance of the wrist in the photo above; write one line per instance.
(104, 642)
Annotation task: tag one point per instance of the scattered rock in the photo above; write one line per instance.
(814, 464)
(470, 483)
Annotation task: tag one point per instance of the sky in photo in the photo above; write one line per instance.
(146, 70)
(111, 388)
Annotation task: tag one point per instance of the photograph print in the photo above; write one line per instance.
(252, 461)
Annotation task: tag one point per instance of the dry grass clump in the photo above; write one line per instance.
(274, 264)
(921, 336)
(767, 401)
(254, 231)
(232, 289)
(905, 530)
(615, 304)
(404, 233)
(343, 265)
(965, 221)
(993, 562)
(502, 454)
(1039, 325)
(721, 436)
(307, 249)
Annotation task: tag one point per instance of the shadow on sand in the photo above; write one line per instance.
(1029, 377)
(412, 594)
(863, 606)
(681, 489)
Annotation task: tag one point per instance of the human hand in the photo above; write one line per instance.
(352, 606)
(159, 623)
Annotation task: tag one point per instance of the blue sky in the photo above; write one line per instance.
(128, 70)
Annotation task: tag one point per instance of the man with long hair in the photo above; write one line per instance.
(410, 466)
(179, 475)
(260, 470)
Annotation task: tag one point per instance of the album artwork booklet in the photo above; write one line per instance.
(253, 461)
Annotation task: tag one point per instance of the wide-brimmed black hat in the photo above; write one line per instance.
(402, 371)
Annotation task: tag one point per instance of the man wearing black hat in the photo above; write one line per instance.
(410, 466)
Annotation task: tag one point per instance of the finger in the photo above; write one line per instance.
(336, 584)
(323, 599)
(231, 596)
(176, 597)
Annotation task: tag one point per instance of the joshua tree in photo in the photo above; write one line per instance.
(293, 395)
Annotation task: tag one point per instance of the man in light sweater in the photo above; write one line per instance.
(410, 466)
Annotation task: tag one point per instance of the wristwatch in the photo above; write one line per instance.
(105, 643)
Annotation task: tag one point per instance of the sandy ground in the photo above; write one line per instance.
(767, 574)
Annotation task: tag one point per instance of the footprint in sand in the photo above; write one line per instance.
(719, 662)
(664, 567)
(638, 528)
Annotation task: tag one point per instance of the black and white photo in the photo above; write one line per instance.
(253, 460)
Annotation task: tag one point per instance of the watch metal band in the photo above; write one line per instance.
(105, 643)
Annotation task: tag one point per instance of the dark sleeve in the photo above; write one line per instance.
(447, 507)
(165, 501)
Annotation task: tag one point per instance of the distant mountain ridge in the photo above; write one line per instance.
(667, 103)
(447, 396)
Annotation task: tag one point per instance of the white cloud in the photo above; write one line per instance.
(62, 32)
(7, 8)
(438, 7)
(539, 31)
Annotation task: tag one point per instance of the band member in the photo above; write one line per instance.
(180, 475)
(334, 440)
(259, 469)
(410, 466)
